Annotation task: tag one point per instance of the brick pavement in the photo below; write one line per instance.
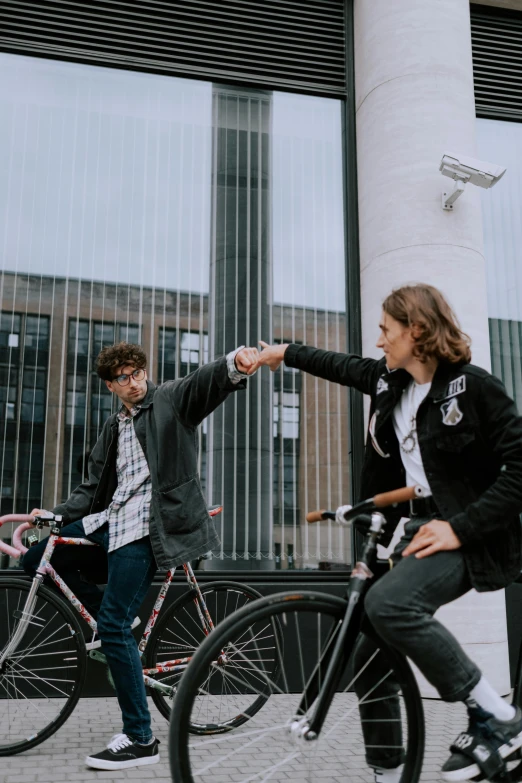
(94, 721)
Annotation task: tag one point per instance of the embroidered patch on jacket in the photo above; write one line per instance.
(382, 385)
(451, 413)
(457, 386)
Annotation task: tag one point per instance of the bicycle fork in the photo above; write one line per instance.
(324, 683)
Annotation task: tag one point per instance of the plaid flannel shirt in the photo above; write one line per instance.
(129, 511)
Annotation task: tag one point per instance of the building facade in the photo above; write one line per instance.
(198, 176)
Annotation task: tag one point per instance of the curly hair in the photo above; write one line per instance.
(440, 335)
(113, 356)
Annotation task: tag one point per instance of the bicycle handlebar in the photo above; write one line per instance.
(382, 500)
(18, 548)
(396, 496)
(28, 521)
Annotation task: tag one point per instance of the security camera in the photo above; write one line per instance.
(463, 169)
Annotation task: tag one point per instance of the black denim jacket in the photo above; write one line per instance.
(470, 438)
(180, 526)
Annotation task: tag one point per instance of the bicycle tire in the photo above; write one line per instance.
(20, 685)
(514, 762)
(207, 756)
(222, 598)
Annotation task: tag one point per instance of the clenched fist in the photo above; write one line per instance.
(247, 360)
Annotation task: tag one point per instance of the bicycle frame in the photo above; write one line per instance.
(45, 568)
(330, 669)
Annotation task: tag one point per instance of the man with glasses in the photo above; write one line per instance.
(142, 502)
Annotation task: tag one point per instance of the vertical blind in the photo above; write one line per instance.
(185, 216)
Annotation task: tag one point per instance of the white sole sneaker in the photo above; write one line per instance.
(95, 763)
(466, 773)
(97, 643)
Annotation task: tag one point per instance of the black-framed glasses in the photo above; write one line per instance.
(124, 380)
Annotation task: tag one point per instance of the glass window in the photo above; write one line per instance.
(24, 356)
(88, 401)
(501, 142)
(190, 218)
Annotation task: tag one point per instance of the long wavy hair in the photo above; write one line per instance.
(438, 333)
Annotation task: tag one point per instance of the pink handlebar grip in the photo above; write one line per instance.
(18, 548)
(17, 537)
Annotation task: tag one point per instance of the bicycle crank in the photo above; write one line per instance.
(96, 655)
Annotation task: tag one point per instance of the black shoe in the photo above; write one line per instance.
(483, 747)
(122, 752)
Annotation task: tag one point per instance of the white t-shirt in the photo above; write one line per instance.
(404, 422)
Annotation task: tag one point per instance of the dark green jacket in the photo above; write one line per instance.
(166, 427)
(470, 439)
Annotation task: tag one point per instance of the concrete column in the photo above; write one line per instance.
(414, 100)
(240, 443)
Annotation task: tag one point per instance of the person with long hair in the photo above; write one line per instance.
(439, 422)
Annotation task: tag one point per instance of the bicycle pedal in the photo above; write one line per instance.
(96, 655)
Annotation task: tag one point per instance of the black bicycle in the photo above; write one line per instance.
(338, 684)
(340, 694)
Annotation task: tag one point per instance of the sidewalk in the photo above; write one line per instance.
(94, 721)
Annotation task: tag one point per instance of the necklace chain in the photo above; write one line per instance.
(409, 441)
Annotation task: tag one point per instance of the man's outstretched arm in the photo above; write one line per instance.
(201, 392)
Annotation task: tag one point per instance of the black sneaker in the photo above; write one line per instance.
(123, 752)
(487, 740)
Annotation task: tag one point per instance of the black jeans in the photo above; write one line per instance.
(131, 569)
(400, 607)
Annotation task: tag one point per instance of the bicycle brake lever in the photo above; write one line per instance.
(47, 517)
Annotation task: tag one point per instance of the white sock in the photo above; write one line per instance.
(487, 698)
(388, 775)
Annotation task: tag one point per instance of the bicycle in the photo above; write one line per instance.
(334, 677)
(43, 651)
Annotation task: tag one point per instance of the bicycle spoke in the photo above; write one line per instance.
(40, 682)
(232, 701)
(272, 748)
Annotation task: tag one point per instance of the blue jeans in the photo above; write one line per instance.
(131, 569)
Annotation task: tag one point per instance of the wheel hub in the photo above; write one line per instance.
(300, 730)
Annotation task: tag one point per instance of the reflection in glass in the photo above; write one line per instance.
(190, 218)
(502, 142)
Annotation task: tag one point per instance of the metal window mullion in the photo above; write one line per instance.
(63, 372)
(260, 201)
(39, 323)
(236, 303)
(18, 408)
(247, 412)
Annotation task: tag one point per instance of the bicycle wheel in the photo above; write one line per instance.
(41, 681)
(179, 633)
(268, 749)
(514, 762)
